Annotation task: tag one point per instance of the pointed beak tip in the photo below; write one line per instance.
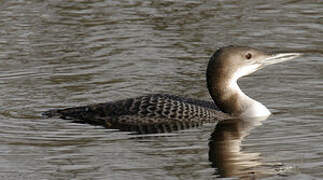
(298, 54)
(283, 55)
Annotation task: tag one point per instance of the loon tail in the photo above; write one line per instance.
(51, 113)
(82, 114)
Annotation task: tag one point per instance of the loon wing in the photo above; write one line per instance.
(144, 114)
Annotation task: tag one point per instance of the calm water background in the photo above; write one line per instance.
(59, 53)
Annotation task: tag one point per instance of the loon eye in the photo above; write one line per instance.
(248, 56)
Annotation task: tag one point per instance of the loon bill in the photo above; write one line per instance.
(165, 113)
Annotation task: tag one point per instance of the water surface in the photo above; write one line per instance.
(57, 54)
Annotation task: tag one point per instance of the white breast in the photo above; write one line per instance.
(255, 109)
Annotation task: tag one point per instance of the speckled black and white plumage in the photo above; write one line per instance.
(145, 114)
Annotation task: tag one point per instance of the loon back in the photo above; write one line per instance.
(154, 113)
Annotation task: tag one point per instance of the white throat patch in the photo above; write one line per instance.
(253, 108)
(245, 70)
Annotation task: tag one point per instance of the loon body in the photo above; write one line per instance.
(165, 113)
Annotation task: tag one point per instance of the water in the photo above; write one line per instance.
(57, 53)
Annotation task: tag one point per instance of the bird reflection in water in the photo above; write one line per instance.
(225, 151)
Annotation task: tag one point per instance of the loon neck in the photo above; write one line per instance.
(227, 95)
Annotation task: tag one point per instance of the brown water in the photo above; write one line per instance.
(59, 53)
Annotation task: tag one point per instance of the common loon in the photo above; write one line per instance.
(164, 113)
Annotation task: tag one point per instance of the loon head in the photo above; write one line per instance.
(230, 63)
